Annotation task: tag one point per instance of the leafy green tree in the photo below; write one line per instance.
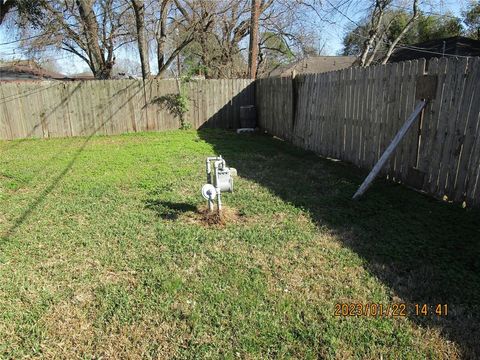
(472, 20)
(398, 20)
(437, 27)
(427, 27)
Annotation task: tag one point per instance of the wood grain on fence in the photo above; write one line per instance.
(353, 114)
(62, 109)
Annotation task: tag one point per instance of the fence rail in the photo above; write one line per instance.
(353, 114)
(62, 109)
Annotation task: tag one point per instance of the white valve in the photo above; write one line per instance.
(209, 192)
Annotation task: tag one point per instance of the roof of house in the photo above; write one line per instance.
(87, 75)
(457, 45)
(315, 64)
(24, 70)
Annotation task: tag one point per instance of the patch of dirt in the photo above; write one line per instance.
(115, 277)
(205, 217)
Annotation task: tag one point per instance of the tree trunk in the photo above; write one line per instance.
(407, 27)
(139, 10)
(375, 50)
(162, 37)
(253, 46)
(100, 68)
(376, 22)
(160, 54)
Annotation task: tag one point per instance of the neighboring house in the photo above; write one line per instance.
(314, 64)
(87, 75)
(26, 70)
(29, 70)
(457, 45)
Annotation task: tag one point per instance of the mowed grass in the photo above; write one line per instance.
(102, 255)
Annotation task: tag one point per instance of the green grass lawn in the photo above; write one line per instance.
(103, 255)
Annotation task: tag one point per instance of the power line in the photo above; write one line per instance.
(410, 47)
(67, 56)
(27, 38)
(19, 51)
(343, 14)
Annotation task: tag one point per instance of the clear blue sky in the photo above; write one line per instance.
(331, 33)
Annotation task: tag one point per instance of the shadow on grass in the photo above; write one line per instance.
(425, 251)
(169, 210)
(45, 192)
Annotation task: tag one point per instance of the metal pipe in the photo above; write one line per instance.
(207, 163)
(209, 168)
(219, 201)
(218, 161)
(217, 188)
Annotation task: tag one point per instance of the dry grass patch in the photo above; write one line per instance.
(149, 339)
(71, 334)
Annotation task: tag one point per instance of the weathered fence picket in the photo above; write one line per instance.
(61, 109)
(353, 114)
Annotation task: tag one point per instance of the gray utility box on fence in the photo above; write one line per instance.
(248, 116)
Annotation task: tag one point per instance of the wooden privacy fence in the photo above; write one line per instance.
(353, 114)
(61, 109)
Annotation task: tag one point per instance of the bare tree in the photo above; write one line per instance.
(89, 29)
(289, 31)
(221, 51)
(382, 19)
(100, 65)
(203, 34)
(178, 24)
(218, 26)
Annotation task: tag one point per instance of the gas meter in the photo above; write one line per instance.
(218, 180)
